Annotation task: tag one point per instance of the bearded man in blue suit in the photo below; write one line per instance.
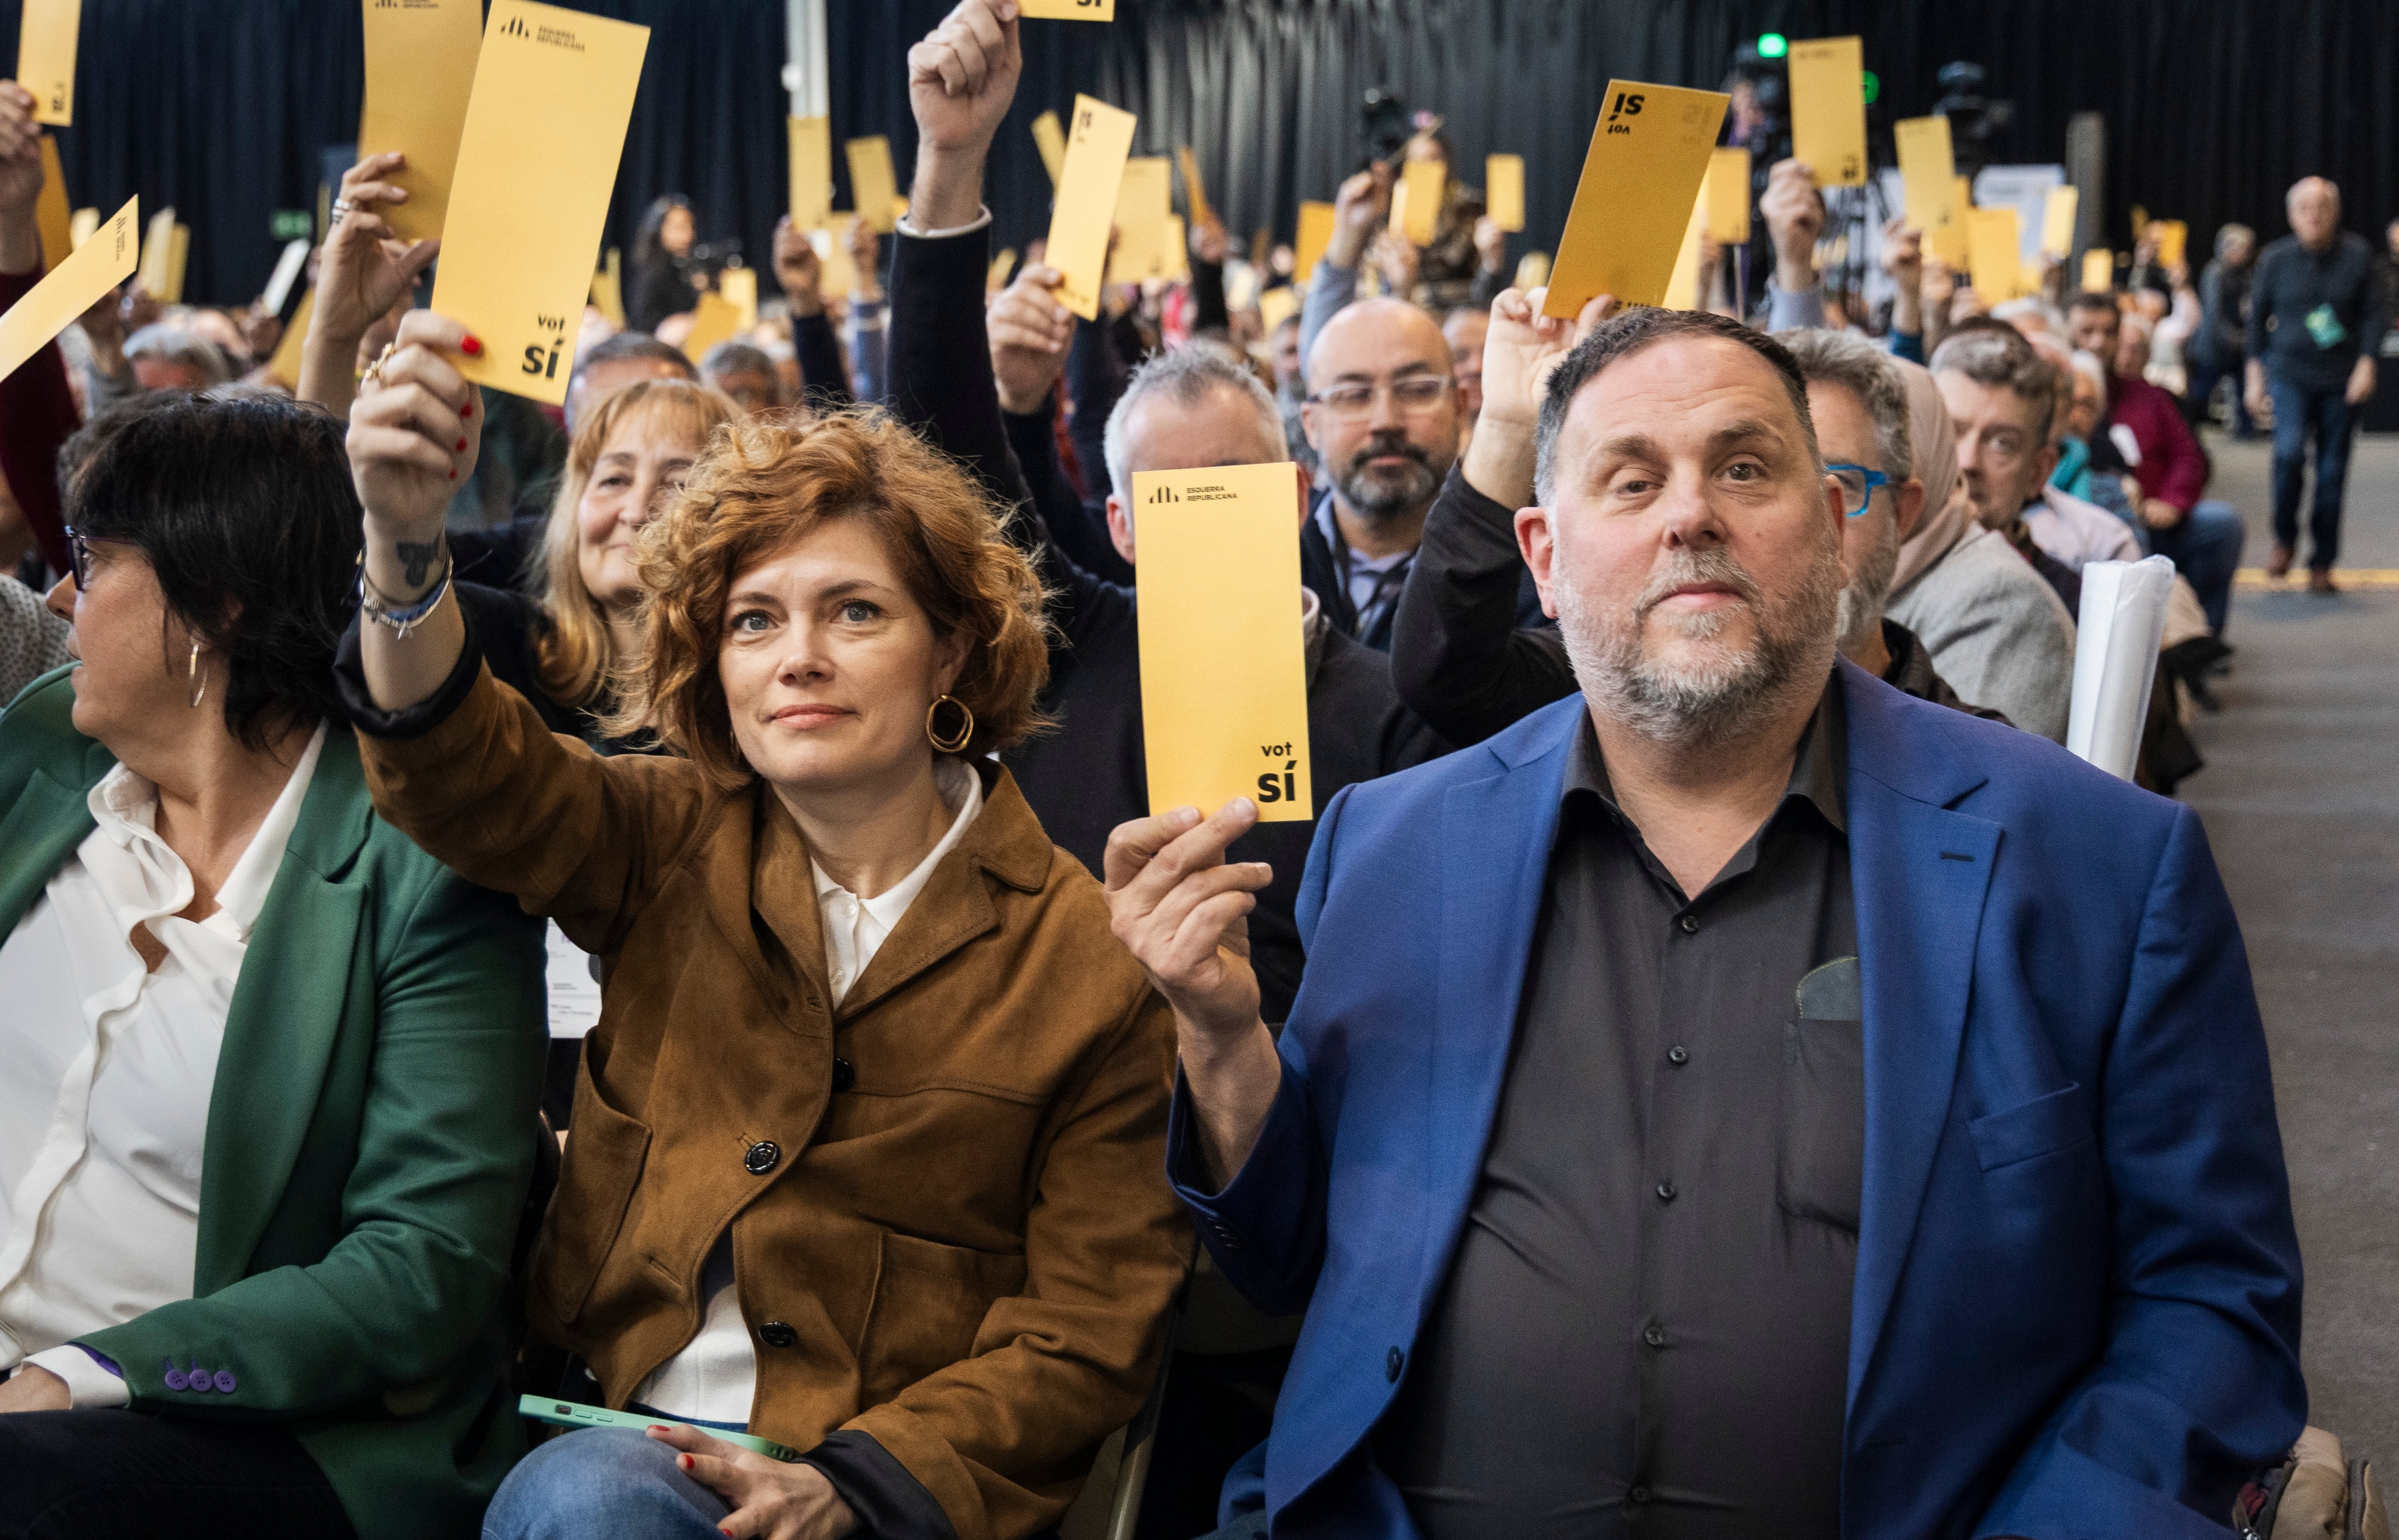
(1738, 1099)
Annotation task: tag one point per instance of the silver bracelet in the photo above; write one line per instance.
(376, 607)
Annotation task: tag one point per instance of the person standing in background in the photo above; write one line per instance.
(2315, 327)
(662, 277)
(2217, 350)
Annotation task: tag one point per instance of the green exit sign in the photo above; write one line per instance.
(294, 224)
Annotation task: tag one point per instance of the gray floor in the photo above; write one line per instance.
(2300, 797)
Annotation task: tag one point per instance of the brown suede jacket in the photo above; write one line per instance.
(947, 1197)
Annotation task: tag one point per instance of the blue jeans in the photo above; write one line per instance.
(2205, 547)
(2299, 410)
(2204, 373)
(613, 1481)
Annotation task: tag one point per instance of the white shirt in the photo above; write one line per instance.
(715, 1379)
(106, 1071)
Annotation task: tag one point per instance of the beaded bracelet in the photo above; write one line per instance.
(401, 619)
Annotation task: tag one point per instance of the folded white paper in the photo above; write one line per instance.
(2116, 659)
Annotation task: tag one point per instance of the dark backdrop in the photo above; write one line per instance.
(2213, 106)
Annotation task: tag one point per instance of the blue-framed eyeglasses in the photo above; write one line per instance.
(1858, 484)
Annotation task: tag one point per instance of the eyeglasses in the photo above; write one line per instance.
(1412, 394)
(1858, 486)
(79, 553)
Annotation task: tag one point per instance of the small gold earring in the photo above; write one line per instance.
(949, 745)
(191, 677)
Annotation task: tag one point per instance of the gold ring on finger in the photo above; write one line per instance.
(374, 375)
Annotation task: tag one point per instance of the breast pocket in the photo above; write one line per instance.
(1820, 1159)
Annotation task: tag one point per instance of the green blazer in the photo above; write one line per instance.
(369, 1139)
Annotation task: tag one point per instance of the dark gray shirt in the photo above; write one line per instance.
(1645, 1327)
(2311, 313)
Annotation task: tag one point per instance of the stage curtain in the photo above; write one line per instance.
(2214, 107)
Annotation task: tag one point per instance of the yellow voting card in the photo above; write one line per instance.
(608, 298)
(873, 186)
(1683, 284)
(2173, 241)
(80, 228)
(46, 57)
(1068, 11)
(157, 252)
(1417, 197)
(100, 264)
(1828, 110)
(1728, 196)
(714, 319)
(1504, 191)
(2098, 270)
(836, 272)
(1051, 139)
(2057, 222)
(1928, 173)
(51, 215)
(179, 250)
(420, 68)
(1003, 268)
(740, 285)
(1097, 143)
(1648, 154)
(811, 148)
(1994, 247)
(1315, 234)
(1224, 672)
(285, 364)
(1277, 305)
(1532, 270)
(1195, 191)
(1143, 209)
(545, 126)
(1178, 250)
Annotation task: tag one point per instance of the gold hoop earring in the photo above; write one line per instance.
(953, 744)
(199, 686)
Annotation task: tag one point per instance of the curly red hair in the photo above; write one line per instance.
(760, 485)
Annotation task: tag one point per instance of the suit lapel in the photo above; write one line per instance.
(287, 1010)
(1922, 872)
(1496, 837)
(47, 821)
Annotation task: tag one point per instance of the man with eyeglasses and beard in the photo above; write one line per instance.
(1740, 1098)
(1382, 414)
(1461, 658)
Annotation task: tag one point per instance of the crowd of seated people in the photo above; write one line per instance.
(1522, 1144)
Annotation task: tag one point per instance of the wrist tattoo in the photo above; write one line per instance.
(417, 559)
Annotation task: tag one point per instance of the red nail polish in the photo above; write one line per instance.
(466, 412)
(462, 446)
(683, 1460)
(472, 347)
(454, 476)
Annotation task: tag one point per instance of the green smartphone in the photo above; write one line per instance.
(548, 1409)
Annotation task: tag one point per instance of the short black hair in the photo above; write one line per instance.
(244, 511)
(2091, 299)
(1629, 333)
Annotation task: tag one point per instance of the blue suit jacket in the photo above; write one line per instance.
(2077, 1308)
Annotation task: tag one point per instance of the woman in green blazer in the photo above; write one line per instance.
(267, 1071)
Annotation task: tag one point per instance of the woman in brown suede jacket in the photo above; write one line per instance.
(868, 1144)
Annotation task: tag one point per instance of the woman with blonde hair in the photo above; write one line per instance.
(869, 1142)
(551, 597)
